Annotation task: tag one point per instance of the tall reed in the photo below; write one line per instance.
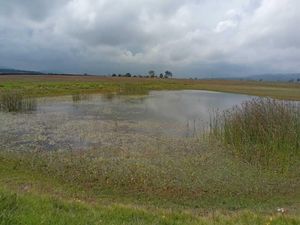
(80, 97)
(15, 101)
(261, 130)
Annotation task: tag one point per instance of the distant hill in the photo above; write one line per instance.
(5, 71)
(288, 77)
(279, 77)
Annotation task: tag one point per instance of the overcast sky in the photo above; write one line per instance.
(188, 37)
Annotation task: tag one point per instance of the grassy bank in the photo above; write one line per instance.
(169, 186)
(176, 181)
(32, 209)
(66, 85)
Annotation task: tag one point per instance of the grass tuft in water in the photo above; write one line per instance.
(80, 97)
(15, 101)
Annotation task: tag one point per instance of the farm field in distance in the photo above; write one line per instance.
(109, 150)
(51, 85)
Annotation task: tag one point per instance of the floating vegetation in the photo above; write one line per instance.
(62, 124)
(15, 101)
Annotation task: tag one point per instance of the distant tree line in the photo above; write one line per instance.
(151, 74)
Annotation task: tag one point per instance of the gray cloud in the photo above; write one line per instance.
(32, 9)
(189, 37)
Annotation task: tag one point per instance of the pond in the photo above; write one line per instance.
(82, 122)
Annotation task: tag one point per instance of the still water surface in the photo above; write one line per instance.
(93, 121)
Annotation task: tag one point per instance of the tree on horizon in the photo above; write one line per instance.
(168, 74)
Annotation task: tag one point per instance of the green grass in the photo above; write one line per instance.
(188, 184)
(68, 85)
(28, 197)
(31, 209)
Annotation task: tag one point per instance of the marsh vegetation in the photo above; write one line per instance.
(14, 101)
(262, 131)
(165, 158)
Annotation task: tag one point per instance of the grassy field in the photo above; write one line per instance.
(62, 85)
(224, 177)
(207, 186)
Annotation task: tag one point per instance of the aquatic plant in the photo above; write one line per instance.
(80, 97)
(15, 101)
(262, 130)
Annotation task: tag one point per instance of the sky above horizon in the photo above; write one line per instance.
(197, 38)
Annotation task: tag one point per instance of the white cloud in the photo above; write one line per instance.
(225, 25)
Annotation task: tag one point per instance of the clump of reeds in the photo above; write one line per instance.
(15, 101)
(261, 130)
(80, 97)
